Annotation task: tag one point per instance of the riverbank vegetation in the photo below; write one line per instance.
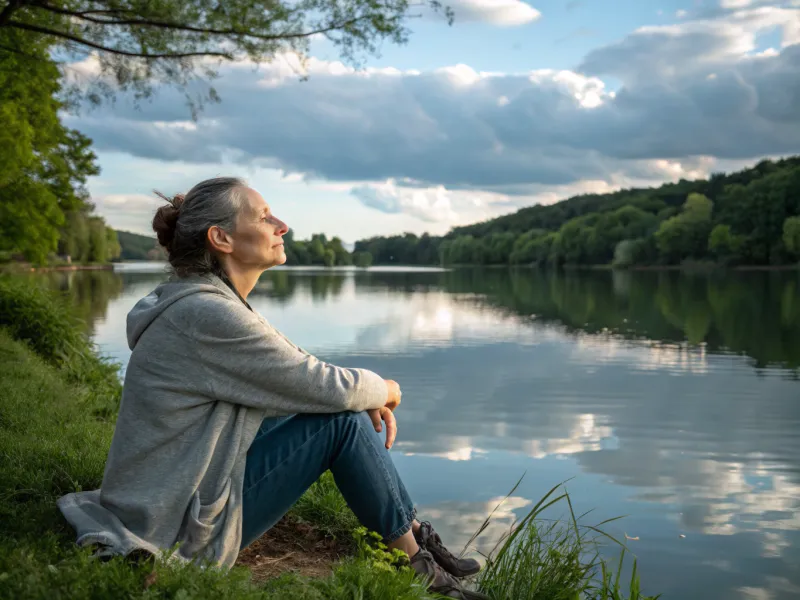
(134, 246)
(58, 404)
(750, 217)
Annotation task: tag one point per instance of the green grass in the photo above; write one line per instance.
(58, 404)
(324, 507)
(556, 559)
(44, 320)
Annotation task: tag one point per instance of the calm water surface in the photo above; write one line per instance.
(672, 399)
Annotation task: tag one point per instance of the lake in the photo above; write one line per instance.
(671, 398)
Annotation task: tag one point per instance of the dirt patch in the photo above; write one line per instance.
(292, 546)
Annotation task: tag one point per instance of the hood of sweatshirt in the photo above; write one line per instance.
(165, 295)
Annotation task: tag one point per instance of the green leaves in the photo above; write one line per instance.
(686, 235)
(43, 165)
(143, 43)
(791, 235)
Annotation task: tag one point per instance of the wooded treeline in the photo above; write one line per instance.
(319, 250)
(751, 217)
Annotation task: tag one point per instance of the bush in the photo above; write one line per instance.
(634, 252)
(43, 319)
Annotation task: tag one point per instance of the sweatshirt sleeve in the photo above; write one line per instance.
(249, 362)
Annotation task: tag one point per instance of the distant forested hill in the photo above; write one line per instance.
(139, 247)
(751, 217)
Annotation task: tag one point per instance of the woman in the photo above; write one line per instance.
(224, 422)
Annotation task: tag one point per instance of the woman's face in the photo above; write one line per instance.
(258, 238)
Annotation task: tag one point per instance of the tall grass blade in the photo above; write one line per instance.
(488, 519)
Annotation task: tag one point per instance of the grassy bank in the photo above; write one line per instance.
(58, 404)
(22, 267)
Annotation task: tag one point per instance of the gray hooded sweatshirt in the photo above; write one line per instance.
(204, 372)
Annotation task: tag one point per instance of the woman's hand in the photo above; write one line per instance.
(394, 394)
(387, 415)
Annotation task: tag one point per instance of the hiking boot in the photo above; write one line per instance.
(457, 567)
(439, 581)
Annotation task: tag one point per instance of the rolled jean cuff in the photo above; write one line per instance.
(398, 533)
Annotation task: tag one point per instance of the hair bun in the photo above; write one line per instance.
(166, 219)
(177, 201)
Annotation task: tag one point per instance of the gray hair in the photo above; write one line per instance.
(182, 225)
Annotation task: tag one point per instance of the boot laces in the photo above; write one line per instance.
(431, 538)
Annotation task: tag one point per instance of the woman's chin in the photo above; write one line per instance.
(279, 258)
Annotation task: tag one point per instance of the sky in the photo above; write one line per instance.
(513, 104)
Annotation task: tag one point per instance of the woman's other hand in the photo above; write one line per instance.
(387, 415)
(394, 394)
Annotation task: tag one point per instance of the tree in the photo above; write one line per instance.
(464, 249)
(791, 235)
(362, 259)
(113, 248)
(625, 253)
(499, 248)
(725, 245)
(301, 252)
(98, 240)
(427, 252)
(139, 247)
(317, 250)
(43, 165)
(533, 247)
(289, 248)
(686, 235)
(329, 258)
(74, 236)
(141, 44)
(758, 207)
(342, 256)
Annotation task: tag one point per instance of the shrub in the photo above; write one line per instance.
(43, 319)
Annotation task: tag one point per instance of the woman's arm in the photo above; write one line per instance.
(249, 362)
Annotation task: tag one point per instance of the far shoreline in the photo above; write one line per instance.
(28, 268)
(12, 268)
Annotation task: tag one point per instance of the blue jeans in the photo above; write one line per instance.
(290, 453)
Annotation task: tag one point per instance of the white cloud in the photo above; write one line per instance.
(457, 521)
(428, 204)
(681, 14)
(681, 51)
(129, 212)
(441, 208)
(504, 13)
(735, 3)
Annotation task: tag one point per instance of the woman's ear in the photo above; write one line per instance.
(219, 240)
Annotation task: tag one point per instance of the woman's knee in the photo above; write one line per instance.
(357, 419)
(356, 425)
